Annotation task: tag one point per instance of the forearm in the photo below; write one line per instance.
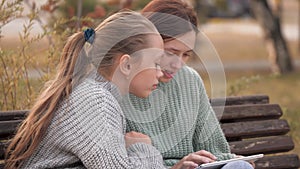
(145, 156)
(209, 135)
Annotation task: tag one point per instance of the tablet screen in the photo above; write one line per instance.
(219, 164)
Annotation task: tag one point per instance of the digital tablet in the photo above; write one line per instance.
(219, 164)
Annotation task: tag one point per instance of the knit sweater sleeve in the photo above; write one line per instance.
(208, 134)
(96, 135)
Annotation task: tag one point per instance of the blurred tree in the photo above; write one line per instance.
(79, 13)
(221, 8)
(79, 9)
(126, 4)
(135, 5)
(269, 20)
(202, 9)
(68, 7)
(139, 4)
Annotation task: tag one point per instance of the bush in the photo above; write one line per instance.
(31, 52)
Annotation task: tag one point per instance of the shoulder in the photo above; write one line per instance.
(186, 70)
(91, 89)
(88, 103)
(188, 75)
(93, 94)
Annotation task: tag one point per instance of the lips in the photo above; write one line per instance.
(154, 86)
(168, 74)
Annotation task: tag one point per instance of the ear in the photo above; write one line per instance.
(124, 64)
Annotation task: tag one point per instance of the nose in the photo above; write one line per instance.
(177, 63)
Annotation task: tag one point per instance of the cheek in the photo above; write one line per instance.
(185, 59)
(167, 60)
(164, 80)
(142, 83)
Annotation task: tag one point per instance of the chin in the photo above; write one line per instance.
(143, 95)
(164, 80)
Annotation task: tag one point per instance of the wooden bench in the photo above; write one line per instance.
(251, 125)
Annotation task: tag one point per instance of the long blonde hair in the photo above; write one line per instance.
(122, 33)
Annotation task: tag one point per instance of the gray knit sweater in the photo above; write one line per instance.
(88, 130)
(179, 118)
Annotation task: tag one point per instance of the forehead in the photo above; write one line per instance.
(155, 47)
(149, 53)
(183, 43)
(146, 58)
(155, 41)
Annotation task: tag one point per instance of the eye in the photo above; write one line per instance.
(186, 55)
(168, 53)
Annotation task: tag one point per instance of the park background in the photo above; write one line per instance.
(32, 34)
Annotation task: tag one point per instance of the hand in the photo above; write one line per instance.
(135, 137)
(251, 162)
(194, 159)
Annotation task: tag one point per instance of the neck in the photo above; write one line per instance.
(122, 83)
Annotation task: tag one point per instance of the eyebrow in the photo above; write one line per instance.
(172, 49)
(189, 51)
(176, 50)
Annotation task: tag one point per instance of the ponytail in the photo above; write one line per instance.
(33, 128)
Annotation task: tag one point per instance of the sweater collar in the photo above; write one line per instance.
(106, 84)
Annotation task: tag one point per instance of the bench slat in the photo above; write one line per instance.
(266, 145)
(290, 161)
(7, 128)
(248, 112)
(13, 115)
(255, 128)
(3, 145)
(238, 100)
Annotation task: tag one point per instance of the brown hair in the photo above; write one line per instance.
(122, 33)
(171, 17)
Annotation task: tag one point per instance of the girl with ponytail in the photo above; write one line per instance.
(77, 121)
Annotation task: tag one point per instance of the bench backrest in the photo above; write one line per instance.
(250, 123)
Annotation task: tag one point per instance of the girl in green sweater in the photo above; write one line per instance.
(178, 116)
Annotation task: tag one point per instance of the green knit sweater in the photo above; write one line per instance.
(178, 117)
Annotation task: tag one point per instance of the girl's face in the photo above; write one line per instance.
(177, 52)
(146, 70)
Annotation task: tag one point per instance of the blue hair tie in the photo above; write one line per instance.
(89, 35)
